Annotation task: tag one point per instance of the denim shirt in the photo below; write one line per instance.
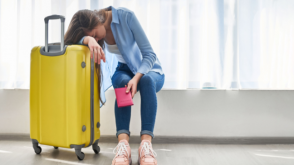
(132, 43)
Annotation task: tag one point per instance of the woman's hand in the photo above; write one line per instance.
(96, 49)
(132, 86)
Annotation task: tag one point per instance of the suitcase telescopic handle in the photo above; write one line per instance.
(62, 19)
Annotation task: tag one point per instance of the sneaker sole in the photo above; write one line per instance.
(130, 162)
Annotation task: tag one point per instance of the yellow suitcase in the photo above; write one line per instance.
(64, 97)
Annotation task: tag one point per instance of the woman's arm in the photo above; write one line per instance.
(94, 48)
(149, 57)
(84, 40)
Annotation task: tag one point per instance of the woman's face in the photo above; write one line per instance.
(98, 33)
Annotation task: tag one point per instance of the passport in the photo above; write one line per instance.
(123, 99)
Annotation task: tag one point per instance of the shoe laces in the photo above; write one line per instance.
(121, 149)
(147, 149)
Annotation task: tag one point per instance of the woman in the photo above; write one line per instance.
(138, 69)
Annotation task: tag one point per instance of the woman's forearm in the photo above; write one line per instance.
(138, 76)
(86, 40)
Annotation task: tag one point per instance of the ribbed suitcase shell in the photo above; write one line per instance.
(60, 98)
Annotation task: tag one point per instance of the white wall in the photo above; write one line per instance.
(199, 113)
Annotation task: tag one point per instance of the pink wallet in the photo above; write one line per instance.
(123, 99)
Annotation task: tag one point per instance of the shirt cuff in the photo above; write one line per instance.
(144, 68)
(81, 41)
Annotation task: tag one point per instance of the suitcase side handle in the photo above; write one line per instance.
(62, 19)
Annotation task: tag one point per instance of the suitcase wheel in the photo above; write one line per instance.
(38, 149)
(36, 146)
(80, 154)
(56, 148)
(96, 149)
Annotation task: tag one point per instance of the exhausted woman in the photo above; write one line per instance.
(138, 69)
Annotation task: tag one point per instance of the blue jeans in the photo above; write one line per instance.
(148, 85)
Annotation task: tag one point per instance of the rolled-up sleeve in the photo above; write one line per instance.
(149, 57)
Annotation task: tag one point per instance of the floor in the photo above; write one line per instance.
(13, 152)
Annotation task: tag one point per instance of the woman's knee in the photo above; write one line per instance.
(120, 80)
(146, 80)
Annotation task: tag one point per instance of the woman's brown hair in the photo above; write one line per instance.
(84, 21)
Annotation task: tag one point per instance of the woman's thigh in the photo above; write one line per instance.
(121, 78)
(152, 78)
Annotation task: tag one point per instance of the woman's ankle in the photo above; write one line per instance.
(146, 137)
(123, 136)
